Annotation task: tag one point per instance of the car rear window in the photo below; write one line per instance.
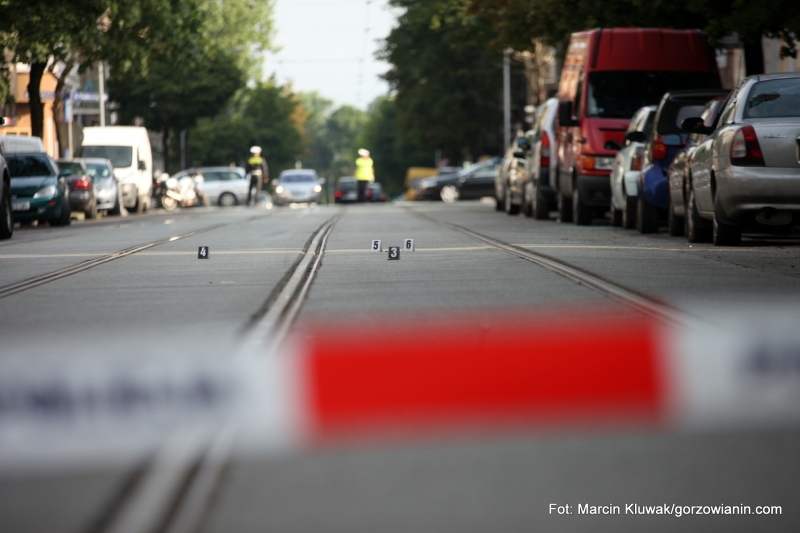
(29, 166)
(773, 98)
(346, 186)
(98, 170)
(74, 168)
(298, 178)
(618, 94)
(674, 111)
(120, 156)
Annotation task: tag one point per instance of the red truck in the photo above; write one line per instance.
(608, 75)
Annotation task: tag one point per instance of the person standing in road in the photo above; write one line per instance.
(365, 173)
(259, 175)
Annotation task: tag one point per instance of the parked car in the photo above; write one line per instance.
(346, 191)
(106, 190)
(81, 187)
(628, 166)
(17, 144)
(225, 186)
(128, 149)
(475, 181)
(539, 197)
(747, 172)
(300, 185)
(608, 74)
(6, 217)
(664, 142)
(680, 177)
(509, 179)
(375, 193)
(37, 191)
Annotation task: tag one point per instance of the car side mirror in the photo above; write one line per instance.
(695, 125)
(612, 145)
(142, 166)
(565, 119)
(634, 137)
(672, 140)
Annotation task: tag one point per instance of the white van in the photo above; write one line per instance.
(20, 144)
(128, 149)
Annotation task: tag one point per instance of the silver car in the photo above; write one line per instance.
(748, 170)
(106, 189)
(225, 186)
(298, 186)
(540, 194)
(628, 166)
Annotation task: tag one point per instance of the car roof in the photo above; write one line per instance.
(94, 160)
(217, 169)
(17, 154)
(299, 171)
(776, 76)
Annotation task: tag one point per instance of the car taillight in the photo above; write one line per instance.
(369, 192)
(745, 150)
(659, 149)
(636, 160)
(338, 194)
(83, 183)
(544, 157)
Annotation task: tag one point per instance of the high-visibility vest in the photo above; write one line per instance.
(364, 170)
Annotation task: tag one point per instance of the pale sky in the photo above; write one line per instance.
(329, 46)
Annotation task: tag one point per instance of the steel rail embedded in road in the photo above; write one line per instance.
(624, 295)
(174, 497)
(31, 283)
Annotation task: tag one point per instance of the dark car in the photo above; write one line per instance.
(6, 220)
(475, 181)
(679, 175)
(81, 187)
(665, 141)
(37, 191)
(375, 193)
(346, 191)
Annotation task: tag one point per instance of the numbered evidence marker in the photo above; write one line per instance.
(408, 245)
(202, 252)
(376, 246)
(394, 252)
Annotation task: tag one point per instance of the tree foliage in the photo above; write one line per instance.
(267, 115)
(446, 79)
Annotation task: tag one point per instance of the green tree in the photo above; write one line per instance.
(125, 33)
(318, 154)
(446, 79)
(517, 22)
(267, 115)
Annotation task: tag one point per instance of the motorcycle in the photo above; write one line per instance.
(185, 191)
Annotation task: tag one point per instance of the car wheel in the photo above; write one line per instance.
(91, 213)
(564, 209)
(169, 203)
(227, 200)
(527, 202)
(449, 194)
(675, 223)
(616, 215)
(725, 234)
(540, 204)
(6, 220)
(510, 208)
(646, 216)
(581, 213)
(696, 227)
(629, 213)
(64, 218)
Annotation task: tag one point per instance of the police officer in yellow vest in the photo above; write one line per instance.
(259, 174)
(365, 173)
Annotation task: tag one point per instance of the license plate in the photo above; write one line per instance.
(20, 206)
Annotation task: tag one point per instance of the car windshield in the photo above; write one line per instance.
(619, 94)
(298, 178)
(120, 156)
(774, 98)
(98, 170)
(29, 166)
(474, 168)
(75, 169)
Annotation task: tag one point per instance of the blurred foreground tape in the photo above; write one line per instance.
(435, 375)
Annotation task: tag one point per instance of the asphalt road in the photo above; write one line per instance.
(163, 299)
